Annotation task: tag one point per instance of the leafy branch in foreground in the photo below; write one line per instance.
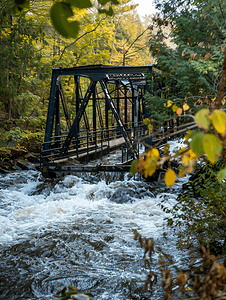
(199, 213)
(208, 283)
(62, 13)
(208, 142)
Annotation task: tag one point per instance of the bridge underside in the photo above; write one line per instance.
(92, 111)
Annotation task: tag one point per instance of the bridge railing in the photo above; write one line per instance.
(172, 128)
(89, 142)
(96, 143)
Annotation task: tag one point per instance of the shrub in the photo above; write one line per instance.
(200, 210)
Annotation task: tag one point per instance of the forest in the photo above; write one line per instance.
(31, 47)
(186, 43)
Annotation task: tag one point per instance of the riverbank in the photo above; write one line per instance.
(13, 159)
(20, 142)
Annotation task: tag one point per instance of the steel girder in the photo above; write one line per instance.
(127, 76)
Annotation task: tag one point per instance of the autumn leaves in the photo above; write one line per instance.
(204, 143)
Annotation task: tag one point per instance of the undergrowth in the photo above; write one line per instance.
(200, 210)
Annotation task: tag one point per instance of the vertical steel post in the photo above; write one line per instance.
(87, 144)
(57, 110)
(133, 108)
(50, 114)
(107, 120)
(125, 107)
(117, 98)
(77, 97)
(95, 122)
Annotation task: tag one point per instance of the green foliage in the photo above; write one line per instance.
(3, 138)
(14, 134)
(157, 108)
(197, 142)
(187, 48)
(22, 139)
(20, 57)
(61, 11)
(5, 154)
(133, 167)
(200, 211)
(221, 175)
(30, 141)
(59, 14)
(24, 103)
(35, 123)
(212, 147)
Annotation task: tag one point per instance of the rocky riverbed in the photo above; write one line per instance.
(13, 159)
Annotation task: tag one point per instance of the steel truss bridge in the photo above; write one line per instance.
(106, 112)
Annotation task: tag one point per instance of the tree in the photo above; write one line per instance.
(131, 47)
(61, 11)
(191, 68)
(19, 56)
(207, 144)
(195, 60)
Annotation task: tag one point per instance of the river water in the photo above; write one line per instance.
(77, 231)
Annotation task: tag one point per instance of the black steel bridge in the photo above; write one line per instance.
(103, 112)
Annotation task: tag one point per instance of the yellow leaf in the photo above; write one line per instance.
(154, 154)
(179, 111)
(185, 106)
(212, 147)
(182, 149)
(185, 160)
(187, 157)
(146, 121)
(150, 127)
(149, 166)
(174, 108)
(169, 103)
(151, 171)
(192, 154)
(201, 118)
(218, 118)
(170, 177)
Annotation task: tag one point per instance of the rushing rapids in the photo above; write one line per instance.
(78, 231)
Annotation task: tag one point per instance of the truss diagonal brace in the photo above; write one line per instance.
(63, 101)
(116, 115)
(73, 131)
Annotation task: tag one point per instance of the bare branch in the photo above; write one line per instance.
(80, 37)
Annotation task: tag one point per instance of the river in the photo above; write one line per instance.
(77, 231)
